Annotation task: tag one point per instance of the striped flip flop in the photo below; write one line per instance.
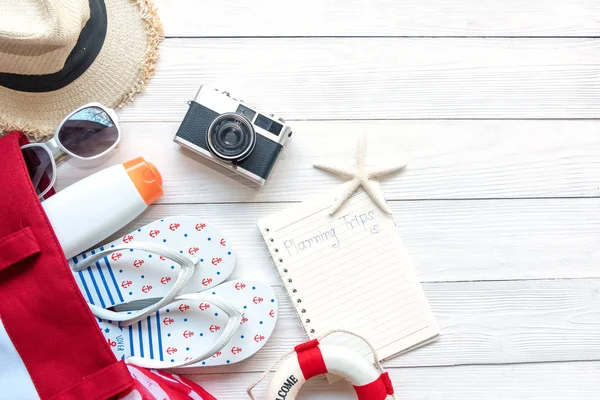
(225, 326)
(161, 260)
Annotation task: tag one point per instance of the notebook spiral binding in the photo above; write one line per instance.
(286, 277)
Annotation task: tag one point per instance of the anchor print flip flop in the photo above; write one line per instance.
(161, 260)
(223, 326)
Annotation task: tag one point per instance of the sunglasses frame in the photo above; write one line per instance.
(52, 162)
(57, 148)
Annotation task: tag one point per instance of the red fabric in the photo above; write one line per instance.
(310, 359)
(205, 395)
(157, 385)
(95, 386)
(41, 307)
(18, 246)
(379, 389)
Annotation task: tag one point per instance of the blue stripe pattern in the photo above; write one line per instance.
(84, 283)
(85, 287)
(89, 270)
(112, 277)
(141, 341)
(150, 337)
(149, 343)
(160, 352)
(112, 302)
(131, 340)
(100, 284)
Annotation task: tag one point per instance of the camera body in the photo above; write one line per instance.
(233, 134)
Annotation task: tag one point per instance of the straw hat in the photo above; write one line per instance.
(56, 55)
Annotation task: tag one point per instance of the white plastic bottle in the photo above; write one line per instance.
(94, 208)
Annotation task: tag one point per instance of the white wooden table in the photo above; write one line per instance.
(494, 103)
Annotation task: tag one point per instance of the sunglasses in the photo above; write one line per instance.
(88, 133)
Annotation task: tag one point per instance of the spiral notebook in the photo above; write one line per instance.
(350, 271)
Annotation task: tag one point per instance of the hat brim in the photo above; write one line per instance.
(121, 69)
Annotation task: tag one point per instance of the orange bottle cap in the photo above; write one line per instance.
(146, 179)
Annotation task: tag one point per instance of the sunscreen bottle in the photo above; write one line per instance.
(95, 207)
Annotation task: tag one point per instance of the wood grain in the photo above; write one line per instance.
(448, 241)
(380, 78)
(497, 207)
(380, 18)
(481, 323)
(446, 160)
(557, 381)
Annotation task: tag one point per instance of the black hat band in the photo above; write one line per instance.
(84, 53)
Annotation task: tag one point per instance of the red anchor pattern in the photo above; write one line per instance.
(138, 270)
(182, 234)
(171, 350)
(165, 279)
(206, 281)
(183, 307)
(175, 330)
(154, 233)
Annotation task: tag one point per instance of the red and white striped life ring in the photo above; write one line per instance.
(312, 358)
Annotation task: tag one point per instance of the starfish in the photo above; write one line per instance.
(361, 176)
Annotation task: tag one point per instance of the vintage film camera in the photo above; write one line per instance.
(233, 134)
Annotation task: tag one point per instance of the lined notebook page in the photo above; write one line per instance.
(350, 271)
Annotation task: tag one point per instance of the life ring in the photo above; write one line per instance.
(311, 359)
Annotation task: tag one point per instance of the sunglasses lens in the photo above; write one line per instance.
(88, 133)
(39, 166)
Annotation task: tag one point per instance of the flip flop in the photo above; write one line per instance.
(225, 326)
(161, 260)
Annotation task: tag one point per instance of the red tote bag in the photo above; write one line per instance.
(50, 344)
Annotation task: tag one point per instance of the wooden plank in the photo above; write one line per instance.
(446, 160)
(481, 323)
(448, 241)
(380, 78)
(380, 18)
(557, 381)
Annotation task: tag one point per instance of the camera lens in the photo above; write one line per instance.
(231, 137)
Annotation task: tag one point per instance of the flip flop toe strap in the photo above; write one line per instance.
(185, 273)
(235, 318)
